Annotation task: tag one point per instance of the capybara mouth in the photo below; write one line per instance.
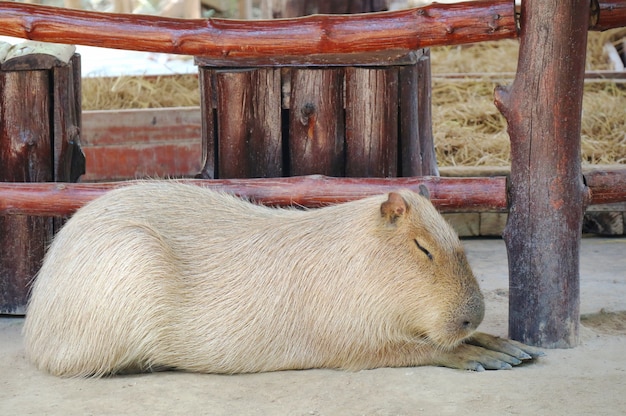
(449, 336)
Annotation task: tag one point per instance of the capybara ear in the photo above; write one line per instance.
(424, 191)
(393, 208)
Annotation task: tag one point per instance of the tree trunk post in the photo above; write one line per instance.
(547, 193)
(39, 142)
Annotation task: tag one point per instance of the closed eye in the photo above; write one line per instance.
(430, 256)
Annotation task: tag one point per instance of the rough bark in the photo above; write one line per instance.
(607, 14)
(316, 130)
(371, 122)
(547, 194)
(448, 194)
(306, 40)
(249, 123)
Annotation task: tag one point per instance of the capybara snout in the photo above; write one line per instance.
(168, 275)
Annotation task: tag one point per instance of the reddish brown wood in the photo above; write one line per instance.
(608, 14)
(294, 8)
(371, 122)
(350, 6)
(25, 156)
(607, 186)
(249, 123)
(307, 40)
(39, 141)
(209, 124)
(428, 157)
(448, 194)
(131, 144)
(543, 109)
(410, 149)
(301, 39)
(316, 126)
(69, 159)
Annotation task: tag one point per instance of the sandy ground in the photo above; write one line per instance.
(589, 379)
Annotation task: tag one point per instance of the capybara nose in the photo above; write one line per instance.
(473, 313)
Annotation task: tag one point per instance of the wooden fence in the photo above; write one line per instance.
(356, 54)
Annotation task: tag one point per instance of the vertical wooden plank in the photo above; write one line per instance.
(233, 91)
(68, 158)
(209, 154)
(249, 123)
(78, 164)
(25, 156)
(543, 108)
(371, 122)
(316, 128)
(424, 91)
(410, 149)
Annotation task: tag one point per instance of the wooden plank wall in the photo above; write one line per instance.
(339, 121)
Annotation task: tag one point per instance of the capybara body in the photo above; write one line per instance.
(164, 275)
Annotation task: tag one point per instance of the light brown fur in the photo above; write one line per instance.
(165, 275)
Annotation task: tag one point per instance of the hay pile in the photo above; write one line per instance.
(116, 93)
(468, 129)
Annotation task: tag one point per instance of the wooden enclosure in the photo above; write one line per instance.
(340, 95)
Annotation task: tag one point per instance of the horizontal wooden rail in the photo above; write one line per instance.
(302, 39)
(607, 186)
(448, 194)
(590, 76)
(608, 14)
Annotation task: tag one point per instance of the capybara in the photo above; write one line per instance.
(165, 275)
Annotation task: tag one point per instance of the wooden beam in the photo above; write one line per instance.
(306, 39)
(448, 194)
(51, 199)
(607, 186)
(606, 15)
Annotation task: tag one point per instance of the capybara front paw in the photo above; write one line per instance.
(487, 352)
(507, 346)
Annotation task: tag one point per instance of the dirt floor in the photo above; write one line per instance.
(589, 379)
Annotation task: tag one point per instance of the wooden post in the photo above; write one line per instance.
(39, 127)
(547, 195)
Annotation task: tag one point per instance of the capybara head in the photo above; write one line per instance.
(442, 290)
